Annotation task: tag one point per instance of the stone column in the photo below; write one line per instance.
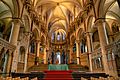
(78, 51)
(15, 32)
(13, 40)
(70, 54)
(89, 45)
(25, 62)
(103, 42)
(26, 58)
(9, 63)
(37, 51)
(45, 55)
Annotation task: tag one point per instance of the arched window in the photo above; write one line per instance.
(53, 36)
(83, 46)
(63, 37)
(58, 36)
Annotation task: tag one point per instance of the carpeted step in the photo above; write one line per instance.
(58, 79)
(58, 75)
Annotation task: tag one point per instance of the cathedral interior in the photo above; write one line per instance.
(81, 34)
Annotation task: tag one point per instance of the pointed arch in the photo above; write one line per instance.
(36, 34)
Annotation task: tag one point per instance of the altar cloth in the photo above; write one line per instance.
(58, 67)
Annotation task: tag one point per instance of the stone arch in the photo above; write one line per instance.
(92, 29)
(43, 39)
(9, 6)
(79, 34)
(90, 23)
(26, 22)
(110, 12)
(14, 6)
(17, 8)
(72, 38)
(36, 34)
(100, 9)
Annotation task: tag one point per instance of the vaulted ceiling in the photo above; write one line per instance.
(58, 12)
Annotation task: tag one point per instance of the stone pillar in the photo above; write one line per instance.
(9, 63)
(45, 55)
(103, 43)
(89, 45)
(78, 51)
(37, 52)
(15, 32)
(13, 40)
(70, 54)
(26, 58)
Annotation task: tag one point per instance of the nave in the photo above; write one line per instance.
(81, 35)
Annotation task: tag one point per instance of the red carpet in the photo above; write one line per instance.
(58, 75)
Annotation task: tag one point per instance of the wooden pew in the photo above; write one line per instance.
(34, 78)
(82, 78)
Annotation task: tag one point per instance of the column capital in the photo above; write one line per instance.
(99, 20)
(15, 19)
(88, 33)
(78, 41)
(38, 41)
(10, 53)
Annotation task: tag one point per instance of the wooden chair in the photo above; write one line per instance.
(92, 78)
(26, 78)
(102, 78)
(35, 78)
(1, 78)
(82, 78)
(111, 78)
(8, 78)
(17, 78)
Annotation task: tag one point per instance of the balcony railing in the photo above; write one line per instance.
(6, 44)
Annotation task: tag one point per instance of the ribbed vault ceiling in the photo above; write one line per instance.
(58, 12)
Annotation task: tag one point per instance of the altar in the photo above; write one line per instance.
(58, 67)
